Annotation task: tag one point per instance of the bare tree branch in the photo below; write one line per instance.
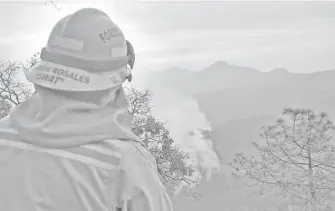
(297, 158)
(172, 162)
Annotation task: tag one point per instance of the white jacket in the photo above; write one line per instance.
(93, 176)
(103, 176)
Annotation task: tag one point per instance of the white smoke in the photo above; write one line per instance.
(184, 119)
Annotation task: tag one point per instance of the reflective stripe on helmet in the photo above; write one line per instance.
(89, 65)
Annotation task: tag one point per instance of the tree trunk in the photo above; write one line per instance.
(311, 185)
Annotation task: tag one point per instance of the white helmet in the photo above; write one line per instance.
(86, 51)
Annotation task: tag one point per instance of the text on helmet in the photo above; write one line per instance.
(54, 75)
(110, 34)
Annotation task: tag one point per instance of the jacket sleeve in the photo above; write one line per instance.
(136, 185)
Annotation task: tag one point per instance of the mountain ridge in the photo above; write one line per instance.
(225, 64)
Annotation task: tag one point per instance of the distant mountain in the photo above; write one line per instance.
(225, 91)
(269, 93)
(218, 75)
(238, 101)
(236, 135)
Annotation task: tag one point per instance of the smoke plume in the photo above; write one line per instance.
(185, 121)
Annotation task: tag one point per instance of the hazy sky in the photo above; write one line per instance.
(299, 36)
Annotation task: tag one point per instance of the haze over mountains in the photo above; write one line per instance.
(238, 101)
(227, 92)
